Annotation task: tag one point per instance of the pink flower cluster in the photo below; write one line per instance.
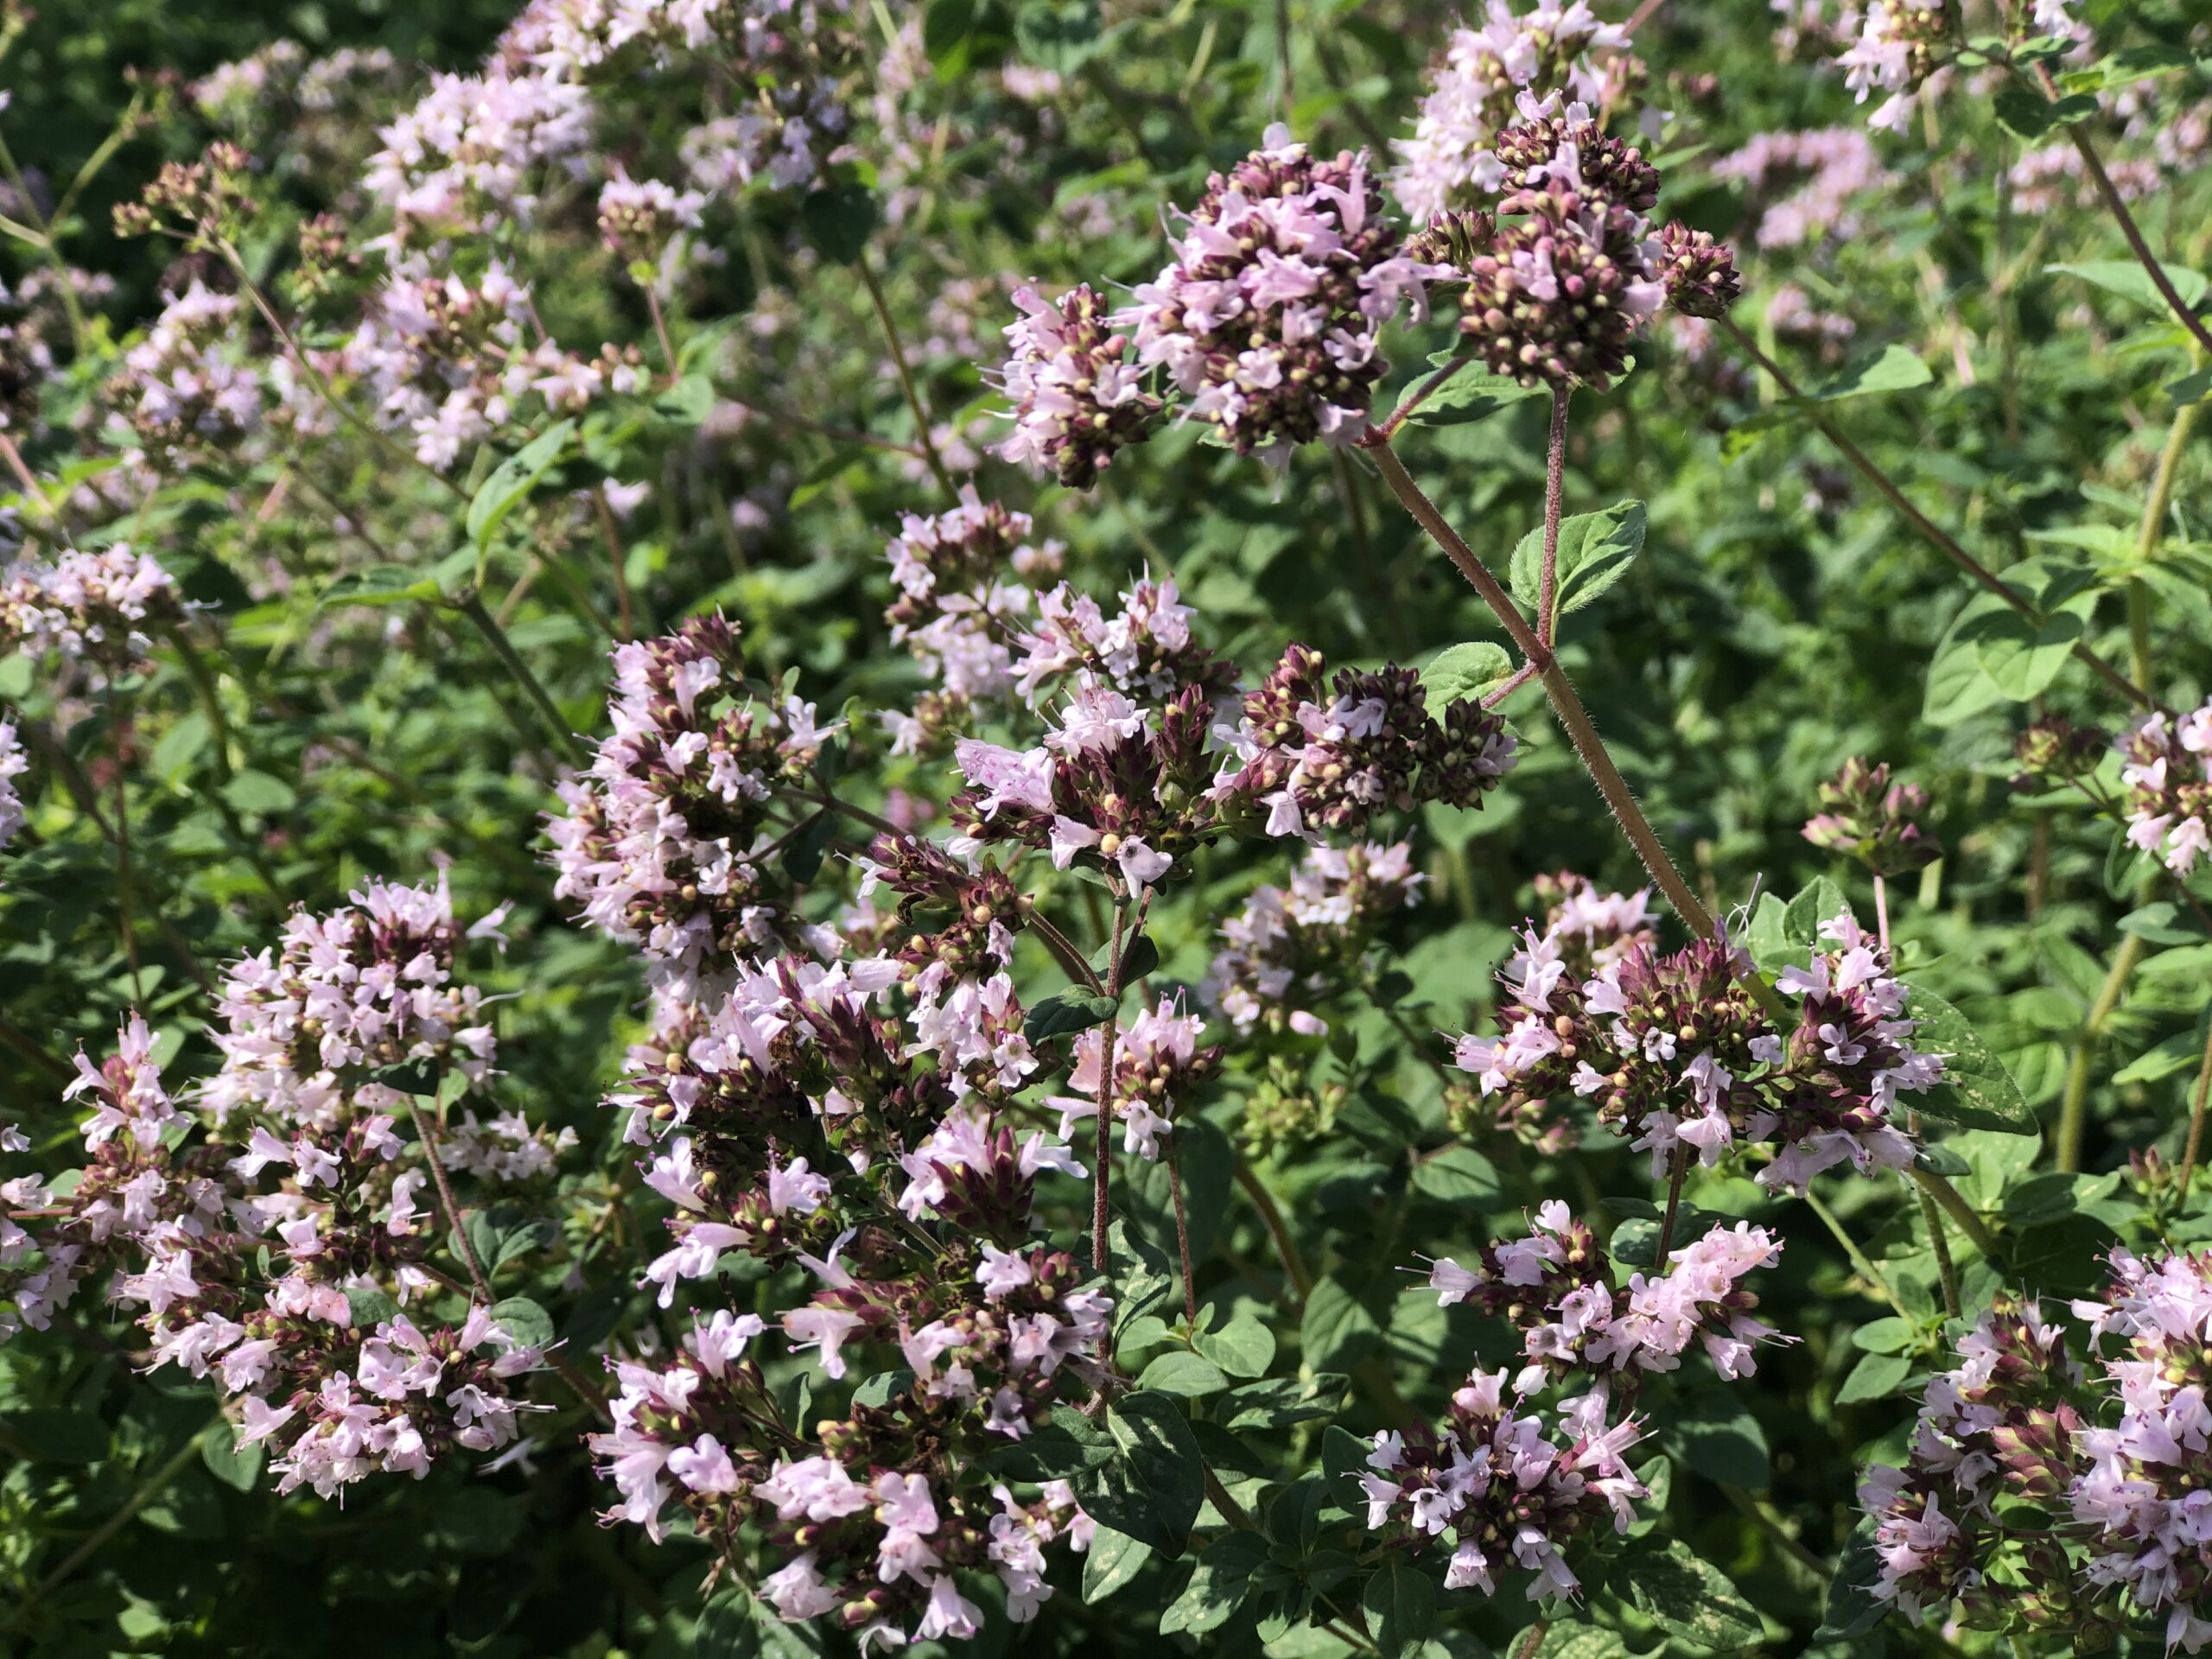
(1295, 948)
(1155, 1062)
(1506, 1488)
(2124, 1458)
(1674, 1052)
(274, 1252)
(660, 839)
(2168, 777)
(1557, 1284)
(1077, 397)
(181, 393)
(90, 607)
(14, 763)
(1474, 92)
(1268, 321)
(1802, 184)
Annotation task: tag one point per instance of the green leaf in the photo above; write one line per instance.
(382, 584)
(368, 1307)
(1216, 1587)
(1066, 1012)
(1464, 671)
(1244, 1347)
(2023, 655)
(2131, 282)
(839, 220)
(1460, 1175)
(236, 1466)
(1818, 901)
(1183, 1374)
(1400, 1602)
(1061, 36)
(54, 1434)
(512, 479)
(1283, 1400)
(2030, 115)
(179, 745)
(1853, 1607)
(689, 402)
(525, 1320)
(1339, 1331)
(1151, 1489)
(1977, 1092)
(1886, 1336)
(1139, 1273)
(1874, 1378)
(1690, 1598)
(1473, 394)
(259, 794)
(1595, 550)
(1894, 368)
(1713, 1433)
(1112, 1561)
(1957, 687)
(946, 28)
(2163, 923)
(2177, 1053)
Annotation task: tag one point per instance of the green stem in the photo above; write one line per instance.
(2196, 1104)
(922, 432)
(1956, 1207)
(152, 1488)
(1859, 1260)
(502, 647)
(1761, 1514)
(2073, 1111)
(2152, 533)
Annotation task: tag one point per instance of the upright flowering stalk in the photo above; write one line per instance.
(1268, 320)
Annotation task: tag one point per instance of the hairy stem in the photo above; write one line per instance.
(1956, 1207)
(447, 1203)
(2152, 534)
(1182, 1233)
(1554, 492)
(2195, 1147)
(1100, 1220)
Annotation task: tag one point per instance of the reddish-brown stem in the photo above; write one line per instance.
(923, 435)
(1534, 1639)
(1100, 1219)
(121, 708)
(1421, 394)
(2128, 228)
(1271, 1218)
(447, 1203)
(1554, 492)
(1935, 536)
(615, 560)
(1676, 1172)
(1182, 1233)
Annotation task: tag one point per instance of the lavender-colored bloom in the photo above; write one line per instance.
(1268, 320)
(93, 607)
(1077, 400)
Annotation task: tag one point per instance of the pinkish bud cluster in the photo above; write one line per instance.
(1877, 823)
(2054, 750)
(1474, 86)
(1268, 320)
(1699, 273)
(1507, 1487)
(98, 608)
(1078, 399)
(1901, 43)
(639, 218)
(1556, 1286)
(1572, 269)
(662, 835)
(1332, 754)
(1295, 949)
(1674, 1052)
(2003, 1425)
(2168, 777)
